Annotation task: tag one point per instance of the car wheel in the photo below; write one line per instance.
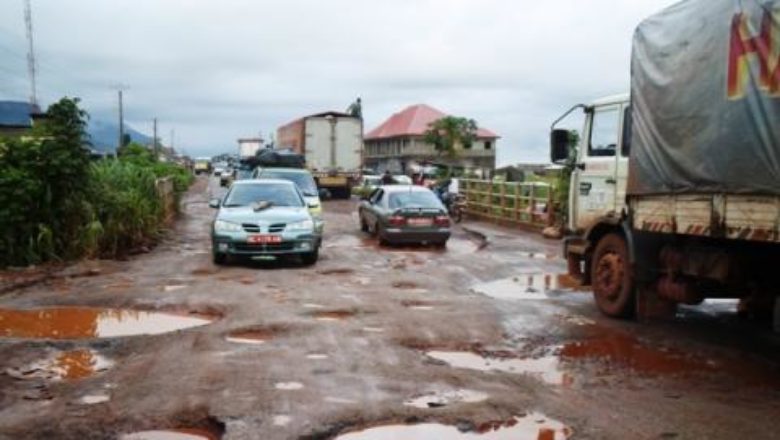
(441, 244)
(219, 259)
(363, 224)
(310, 258)
(382, 238)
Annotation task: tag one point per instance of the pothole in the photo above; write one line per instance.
(288, 386)
(532, 426)
(173, 434)
(334, 315)
(336, 271)
(417, 305)
(254, 335)
(444, 398)
(545, 368)
(525, 287)
(66, 365)
(85, 323)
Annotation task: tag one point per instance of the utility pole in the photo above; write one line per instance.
(121, 122)
(154, 140)
(30, 53)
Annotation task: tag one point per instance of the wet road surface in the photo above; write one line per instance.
(485, 340)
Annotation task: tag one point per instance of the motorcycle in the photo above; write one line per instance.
(455, 204)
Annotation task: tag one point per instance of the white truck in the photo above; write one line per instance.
(675, 188)
(248, 147)
(332, 144)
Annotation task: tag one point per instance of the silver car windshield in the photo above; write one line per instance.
(275, 193)
(304, 181)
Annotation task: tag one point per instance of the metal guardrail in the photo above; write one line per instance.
(527, 203)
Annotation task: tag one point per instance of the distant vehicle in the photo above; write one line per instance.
(367, 185)
(300, 177)
(405, 214)
(219, 168)
(227, 177)
(332, 144)
(202, 165)
(402, 179)
(249, 147)
(264, 218)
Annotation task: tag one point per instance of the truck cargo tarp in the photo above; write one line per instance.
(705, 93)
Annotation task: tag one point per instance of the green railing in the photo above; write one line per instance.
(527, 203)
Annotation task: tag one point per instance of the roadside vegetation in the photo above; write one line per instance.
(58, 204)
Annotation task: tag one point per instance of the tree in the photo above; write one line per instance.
(450, 134)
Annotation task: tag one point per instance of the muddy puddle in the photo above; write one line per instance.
(333, 315)
(254, 335)
(65, 365)
(545, 368)
(532, 426)
(173, 434)
(418, 305)
(533, 286)
(445, 398)
(336, 271)
(84, 323)
(288, 386)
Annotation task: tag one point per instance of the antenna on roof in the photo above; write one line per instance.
(30, 53)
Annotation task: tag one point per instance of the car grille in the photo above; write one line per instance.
(273, 229)
(246, 247)
(248, 227)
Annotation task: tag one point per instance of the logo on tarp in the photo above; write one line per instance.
(747, 43)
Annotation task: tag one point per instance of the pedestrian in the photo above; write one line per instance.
(387, 178)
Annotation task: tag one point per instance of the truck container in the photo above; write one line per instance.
(332, 144)
(248, 147)
(675, 188)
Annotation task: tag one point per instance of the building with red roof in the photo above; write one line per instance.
(397, 145)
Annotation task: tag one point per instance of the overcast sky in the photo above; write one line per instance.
(221, 69)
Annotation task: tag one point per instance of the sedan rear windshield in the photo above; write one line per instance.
(304, 181)
(276, 193)
(414, 199)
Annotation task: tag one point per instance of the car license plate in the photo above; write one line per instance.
(420, 221)
(264, 239)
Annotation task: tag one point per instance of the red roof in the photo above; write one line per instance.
(413, 121)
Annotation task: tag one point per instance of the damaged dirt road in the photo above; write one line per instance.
(483, 340)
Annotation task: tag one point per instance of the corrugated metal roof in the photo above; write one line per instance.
(413, 121)
(16, 113)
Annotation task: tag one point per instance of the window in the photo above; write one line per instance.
(488, 145)
(604, 133)
(625, 148)
(376, 196)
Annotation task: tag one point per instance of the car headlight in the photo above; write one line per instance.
(223, 226)
(305, 225)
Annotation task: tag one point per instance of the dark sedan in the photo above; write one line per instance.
(405, 215)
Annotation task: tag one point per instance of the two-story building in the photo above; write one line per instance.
(398, 145)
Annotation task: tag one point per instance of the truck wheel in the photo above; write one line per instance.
(613, 285)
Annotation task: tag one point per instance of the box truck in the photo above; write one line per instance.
(332, 145)
(248, 147)
(675, 188)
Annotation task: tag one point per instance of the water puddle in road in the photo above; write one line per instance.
(544, 368)
(336, 271)
(525, 287)
(417, 305)
(313, 306)
(405, 285)
(94, 399)
(617, 351)
(67, 365)
(334, 315)
(282, 420)
(174, 287)
(288, 386)
(316, 356)
(254, 335)
(204, 271)
(85, 322)
(173, 434)
(532, 426)
(444, 398)
(373, 329)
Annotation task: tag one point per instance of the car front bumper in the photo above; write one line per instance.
(237, 244)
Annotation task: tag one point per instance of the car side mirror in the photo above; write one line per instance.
(559, 145)
(214, 203)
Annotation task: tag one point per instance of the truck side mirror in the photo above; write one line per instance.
(559, 145)
(214, 203)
